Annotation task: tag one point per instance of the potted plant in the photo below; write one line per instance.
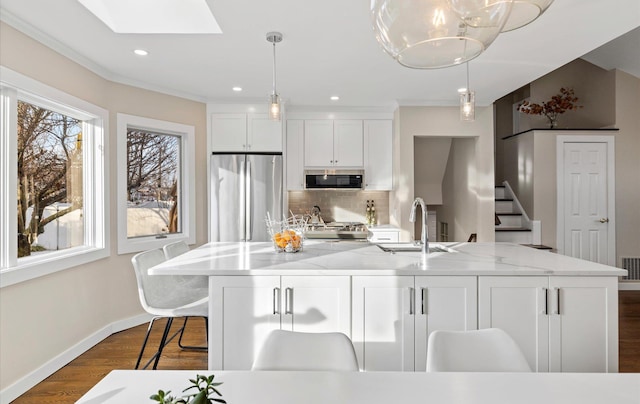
(558, 104)
(205, 392)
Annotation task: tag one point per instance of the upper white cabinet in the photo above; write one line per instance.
(245, 133)
(333, 143)
(295, 155)
(378, 147)
(562, 324)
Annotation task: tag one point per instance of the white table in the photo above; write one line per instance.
(246, 387)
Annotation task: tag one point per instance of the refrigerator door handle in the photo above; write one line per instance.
(242, 200)
(249, 208)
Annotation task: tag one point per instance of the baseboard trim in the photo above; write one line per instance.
(628, 285)
(21, 386)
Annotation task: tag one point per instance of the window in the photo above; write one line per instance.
(156, 199)
(52, 180)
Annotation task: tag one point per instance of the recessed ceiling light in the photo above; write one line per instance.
(141, 52)
(334, 98)
(237, 88)
(155, 16)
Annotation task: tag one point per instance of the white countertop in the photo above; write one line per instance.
(246, 387)
(362, 258)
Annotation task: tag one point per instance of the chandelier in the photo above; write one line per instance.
(429, 34)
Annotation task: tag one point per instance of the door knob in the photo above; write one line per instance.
(604, 220)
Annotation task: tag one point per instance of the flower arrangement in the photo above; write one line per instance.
(558, 104)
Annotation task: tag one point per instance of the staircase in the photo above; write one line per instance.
(512, 223)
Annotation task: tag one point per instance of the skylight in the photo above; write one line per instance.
(155, 16)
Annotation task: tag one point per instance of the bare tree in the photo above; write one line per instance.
(47, 143)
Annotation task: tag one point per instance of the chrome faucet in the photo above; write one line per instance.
(424, 237)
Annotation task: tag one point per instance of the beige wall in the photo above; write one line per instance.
(459, 200)
(443, 122)
(627, 166)
(430, 155)
(44, 317)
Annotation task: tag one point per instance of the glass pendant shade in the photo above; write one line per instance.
(431, 34)
(467, 106)
(274, 107)
(525, 11)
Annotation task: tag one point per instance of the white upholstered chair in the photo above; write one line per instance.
(288, 350)
(164, 296)
(174, 249)
(486, 350)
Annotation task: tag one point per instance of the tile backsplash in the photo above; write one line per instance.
(340, 206)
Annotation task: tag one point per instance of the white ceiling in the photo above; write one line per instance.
(328, 49)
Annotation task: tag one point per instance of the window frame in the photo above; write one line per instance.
(187, 198)
(13, 87)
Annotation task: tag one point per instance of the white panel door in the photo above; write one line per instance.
(348, 143)
(586, 220)
(295, 155)
(243, 310)
(318, 143)
(518, 305)
(378, 153)
(228, 132)
(383, 322)
(584, 321)
(443, 303)
(263, 133)
(316, 304)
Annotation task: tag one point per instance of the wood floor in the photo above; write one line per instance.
(120, 351)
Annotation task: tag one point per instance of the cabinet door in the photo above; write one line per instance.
(518, 305)
(348, 143)
(383, 322)
(318, 143)
(316, 304)
(443, 303)
(228, 132)
(243, 310)
(263, 133)
(584, 324)
(378, 153)
(295, 155)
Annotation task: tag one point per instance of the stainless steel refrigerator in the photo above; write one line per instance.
(244, 187)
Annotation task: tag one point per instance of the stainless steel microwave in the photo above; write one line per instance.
(334, 179)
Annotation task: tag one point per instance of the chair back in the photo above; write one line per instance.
(174, 249)
(160, 291)
(486, 350)
(288, 350)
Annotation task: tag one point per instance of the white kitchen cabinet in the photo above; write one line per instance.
(243, 310)
(555, 320)
(245, 133)
(333, 143)
(295, 155)
(378, 155)
(393, 317)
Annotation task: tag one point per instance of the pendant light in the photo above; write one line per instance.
(274, 98)
(467, 102)
(431, 34)
(524, 12)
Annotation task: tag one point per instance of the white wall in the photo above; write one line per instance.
(46, 317)
(442, 122)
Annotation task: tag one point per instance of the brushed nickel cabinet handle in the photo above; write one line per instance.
(276, 300)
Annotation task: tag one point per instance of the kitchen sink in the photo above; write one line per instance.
(410, 247)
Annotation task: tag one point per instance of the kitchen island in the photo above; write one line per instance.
(562, 311)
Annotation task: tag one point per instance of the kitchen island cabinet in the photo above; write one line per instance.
(555, 320)
(517, 286)
(246, 309)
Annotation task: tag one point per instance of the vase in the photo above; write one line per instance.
(553, 121)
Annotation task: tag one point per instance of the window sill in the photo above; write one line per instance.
(31, 268)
